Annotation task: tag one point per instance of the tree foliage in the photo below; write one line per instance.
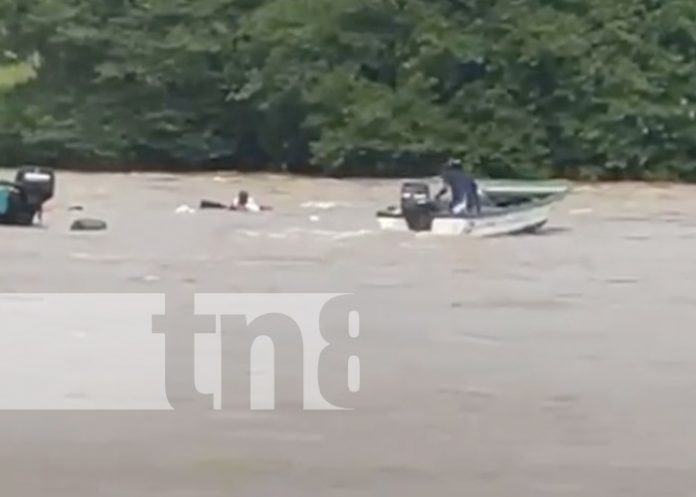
(575, 88)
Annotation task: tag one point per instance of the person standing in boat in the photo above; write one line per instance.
(463, 188)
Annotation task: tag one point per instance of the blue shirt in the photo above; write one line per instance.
(461, 185)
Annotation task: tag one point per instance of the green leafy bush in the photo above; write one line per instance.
(591, 89)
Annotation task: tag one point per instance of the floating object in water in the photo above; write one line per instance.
(508, 212)
(87, 224)
(209, 204)
(76, 208)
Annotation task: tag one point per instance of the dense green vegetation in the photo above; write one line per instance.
(525, 88)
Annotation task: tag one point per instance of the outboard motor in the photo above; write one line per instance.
(416, 206)
(35, 185)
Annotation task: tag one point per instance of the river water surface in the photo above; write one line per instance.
(557, 364)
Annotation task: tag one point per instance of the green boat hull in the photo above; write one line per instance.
(525, 188)
(511, 192)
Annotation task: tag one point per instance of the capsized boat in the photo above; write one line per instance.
(504, 211)
(22, 200)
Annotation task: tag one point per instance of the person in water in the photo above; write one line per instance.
(463, 188)
(243, 202)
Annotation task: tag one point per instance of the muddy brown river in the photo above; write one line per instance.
(558, 364)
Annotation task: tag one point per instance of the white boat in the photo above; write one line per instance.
(505, 211)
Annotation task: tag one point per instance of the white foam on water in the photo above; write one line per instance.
(336, 235)
(302, 232)
(352, 234)
(323, 205)
(427, 234)
(185, 209)
(83, 256)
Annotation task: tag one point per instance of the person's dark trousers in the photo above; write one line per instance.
(473, 202)
(209, 204)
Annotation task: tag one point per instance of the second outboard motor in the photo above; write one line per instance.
(35, 186)
(38, 185)
(416, 206)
